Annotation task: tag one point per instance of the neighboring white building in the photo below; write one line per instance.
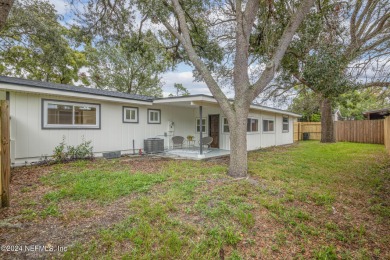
(42, 113)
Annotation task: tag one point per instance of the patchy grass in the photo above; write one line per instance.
(311, 200)
(104, 186)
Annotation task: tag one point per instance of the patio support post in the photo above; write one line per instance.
(201, 130)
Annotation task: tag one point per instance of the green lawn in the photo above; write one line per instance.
(310, 200)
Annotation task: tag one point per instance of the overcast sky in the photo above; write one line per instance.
(183, 73)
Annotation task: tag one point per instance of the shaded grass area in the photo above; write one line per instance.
(311, 200)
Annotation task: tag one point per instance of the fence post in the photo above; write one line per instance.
(5, 167)
(386, 133)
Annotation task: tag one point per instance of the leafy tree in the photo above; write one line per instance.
(132, 64)
(306, 103)
(180, 90)
(352, 104)
(33, 44)
(219, 39)
(341, 48)
(5, 7)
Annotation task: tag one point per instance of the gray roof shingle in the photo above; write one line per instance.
(70, 88)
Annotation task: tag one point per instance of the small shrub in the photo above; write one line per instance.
(60, 153)
(64, 152)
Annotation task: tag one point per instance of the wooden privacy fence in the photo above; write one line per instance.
(387, 133)
(359, 131)
(5, 165)
(313, 128)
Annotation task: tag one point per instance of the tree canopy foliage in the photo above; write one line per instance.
(180, 90)
(35, 45)
(340, 48)
(5, 7)
(130, 64)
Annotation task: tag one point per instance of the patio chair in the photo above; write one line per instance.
(177, 141)
(207, 141)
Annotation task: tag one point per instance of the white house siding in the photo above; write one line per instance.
(29, 141)
(32, 142)
(255, 140)
(286, 137)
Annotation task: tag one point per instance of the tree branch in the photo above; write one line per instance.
(185, 39)
(284, 42)
(244, 24)
(376, 84)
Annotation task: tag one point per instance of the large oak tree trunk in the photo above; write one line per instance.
(5, 7)
(238, 166)
(327, 124)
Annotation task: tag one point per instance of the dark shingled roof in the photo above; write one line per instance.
(69, 88)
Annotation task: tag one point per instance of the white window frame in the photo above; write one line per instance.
(204, 125)
(286, 123)
(223, 126)
(45, 125)
(125, 120)
(251, 130)
(262, 125)
(159, 116)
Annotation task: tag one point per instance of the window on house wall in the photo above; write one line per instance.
(154, 116)
(225, 125)
(252, 125)
(286, 124)
(203, 125)
(62, 114)
(130, 114)
(268, 125)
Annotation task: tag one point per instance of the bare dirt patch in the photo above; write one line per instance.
(146, 164)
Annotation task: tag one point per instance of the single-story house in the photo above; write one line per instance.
(377, 114)
(43, 113)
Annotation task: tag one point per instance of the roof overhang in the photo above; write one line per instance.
(204, 100)
(38, 90)
(383, 111)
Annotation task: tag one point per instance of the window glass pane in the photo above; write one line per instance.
(85, 115)
(254, 125)
(70, 114)
(198, 125)
(285, 119)
(153, 117)
(270, 125)
(225, 125)
(248, 125)
(285, 127)
(59, 114)
(265, 125)
(132, 114)
(156, 116)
